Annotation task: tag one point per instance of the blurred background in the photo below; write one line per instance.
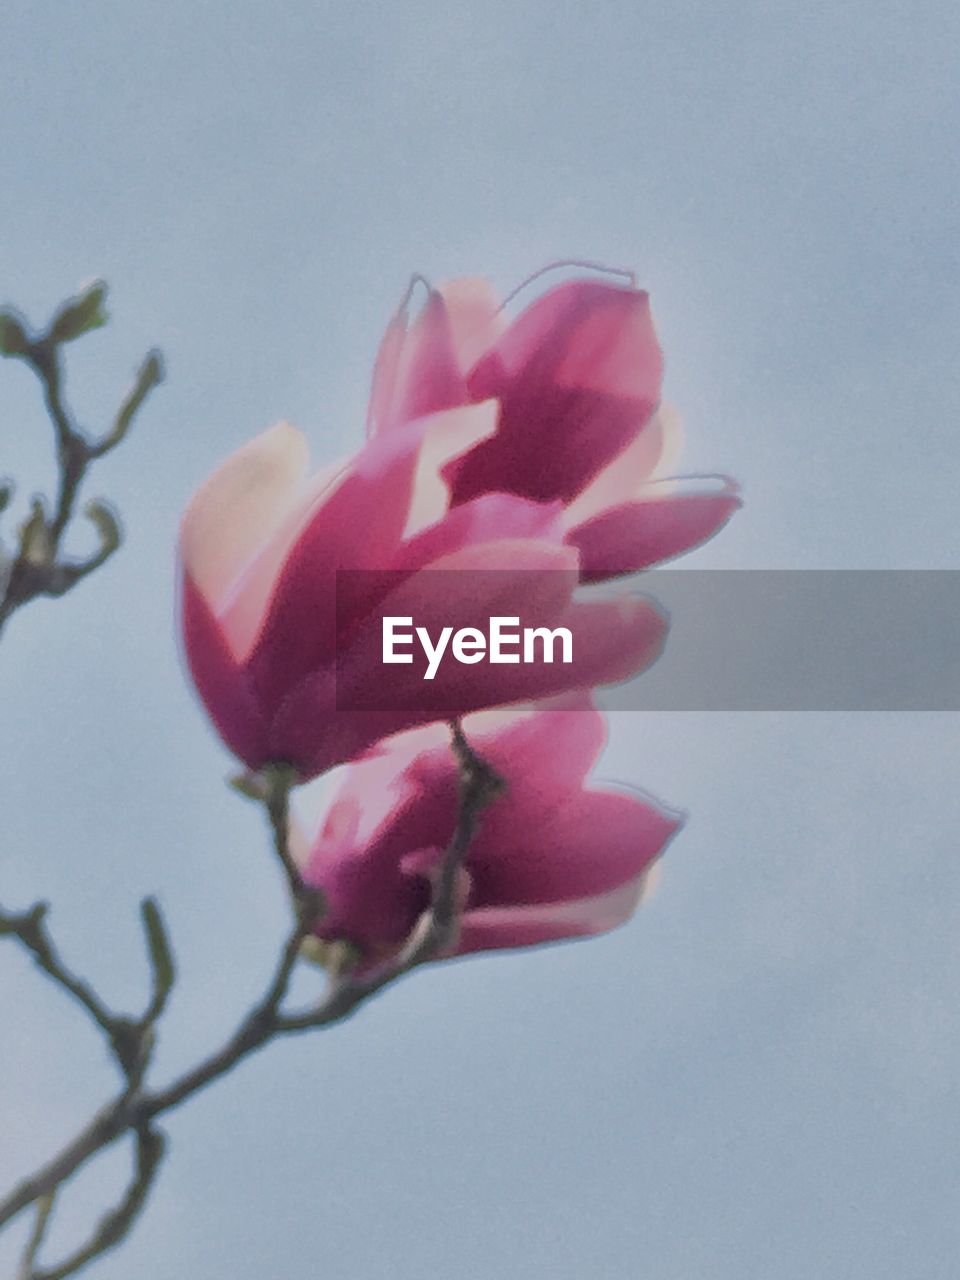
(757, 1077)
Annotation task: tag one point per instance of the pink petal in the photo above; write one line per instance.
(593, 842)
(446, 435)
(238, 507)
(221, 683)
(544, 748)
(638, 534)
(242, 611)
(417, 371)
(370, 900)
(476, 318)
(486, 519)
(583, 333)
(357, 524)
(653, 451)
(493, 928)
(578, 373)
(385, 368)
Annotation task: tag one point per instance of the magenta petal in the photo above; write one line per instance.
(358, 526)
(372, 900)
(578, 373)
(310, 733)
(639, 534)
(541, 750)
(595, 842)
(485, 519)
(385, 370)
(239, 507)
(417, 370)
(496, 928)
(583, 333)
(220, 682)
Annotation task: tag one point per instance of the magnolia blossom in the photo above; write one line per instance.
(577, 378)
(277, 644)
(552, 859)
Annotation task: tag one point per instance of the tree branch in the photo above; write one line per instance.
(41, 1222)
(130, 1039)
(31, 929)
(115, 1226)
(37, 569)
(433, 935)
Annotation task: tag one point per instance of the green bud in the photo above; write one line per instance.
(337, 958)
(149, 375)
(106, 524)
(36, 546)
(80, 314)
(158, 945)
(249, 785)
(13, 335)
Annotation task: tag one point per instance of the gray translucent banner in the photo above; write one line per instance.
(802, 640)
(739, 640)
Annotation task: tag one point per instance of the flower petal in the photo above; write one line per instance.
(544, 748)
(578, 373)
(242, 611)
(486, 519)
(495, 928)
(237, 508)
(652, 529)
(654, 451)
(476, 318)
(220, 681)
(417, 371)
(447, 434)
(357, 524)
(594, 842)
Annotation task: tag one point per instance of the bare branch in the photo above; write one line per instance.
(115, 1226)
(433, 935)
(106, 1126)
(41, 1222)
(31, 929)
(36, 569)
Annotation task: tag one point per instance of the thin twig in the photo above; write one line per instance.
(44, 1209)
(130, 1039)
(115, 1226)
(106, 1126)
(278, 781)
(30, 927)
(434, 934)
(37, 569)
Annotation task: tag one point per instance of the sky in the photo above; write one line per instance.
(756, 1078)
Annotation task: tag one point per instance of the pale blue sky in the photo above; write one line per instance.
(756, 1079)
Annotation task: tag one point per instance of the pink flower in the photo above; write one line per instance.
(577, 375)
(552, 859)
(271, 642)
